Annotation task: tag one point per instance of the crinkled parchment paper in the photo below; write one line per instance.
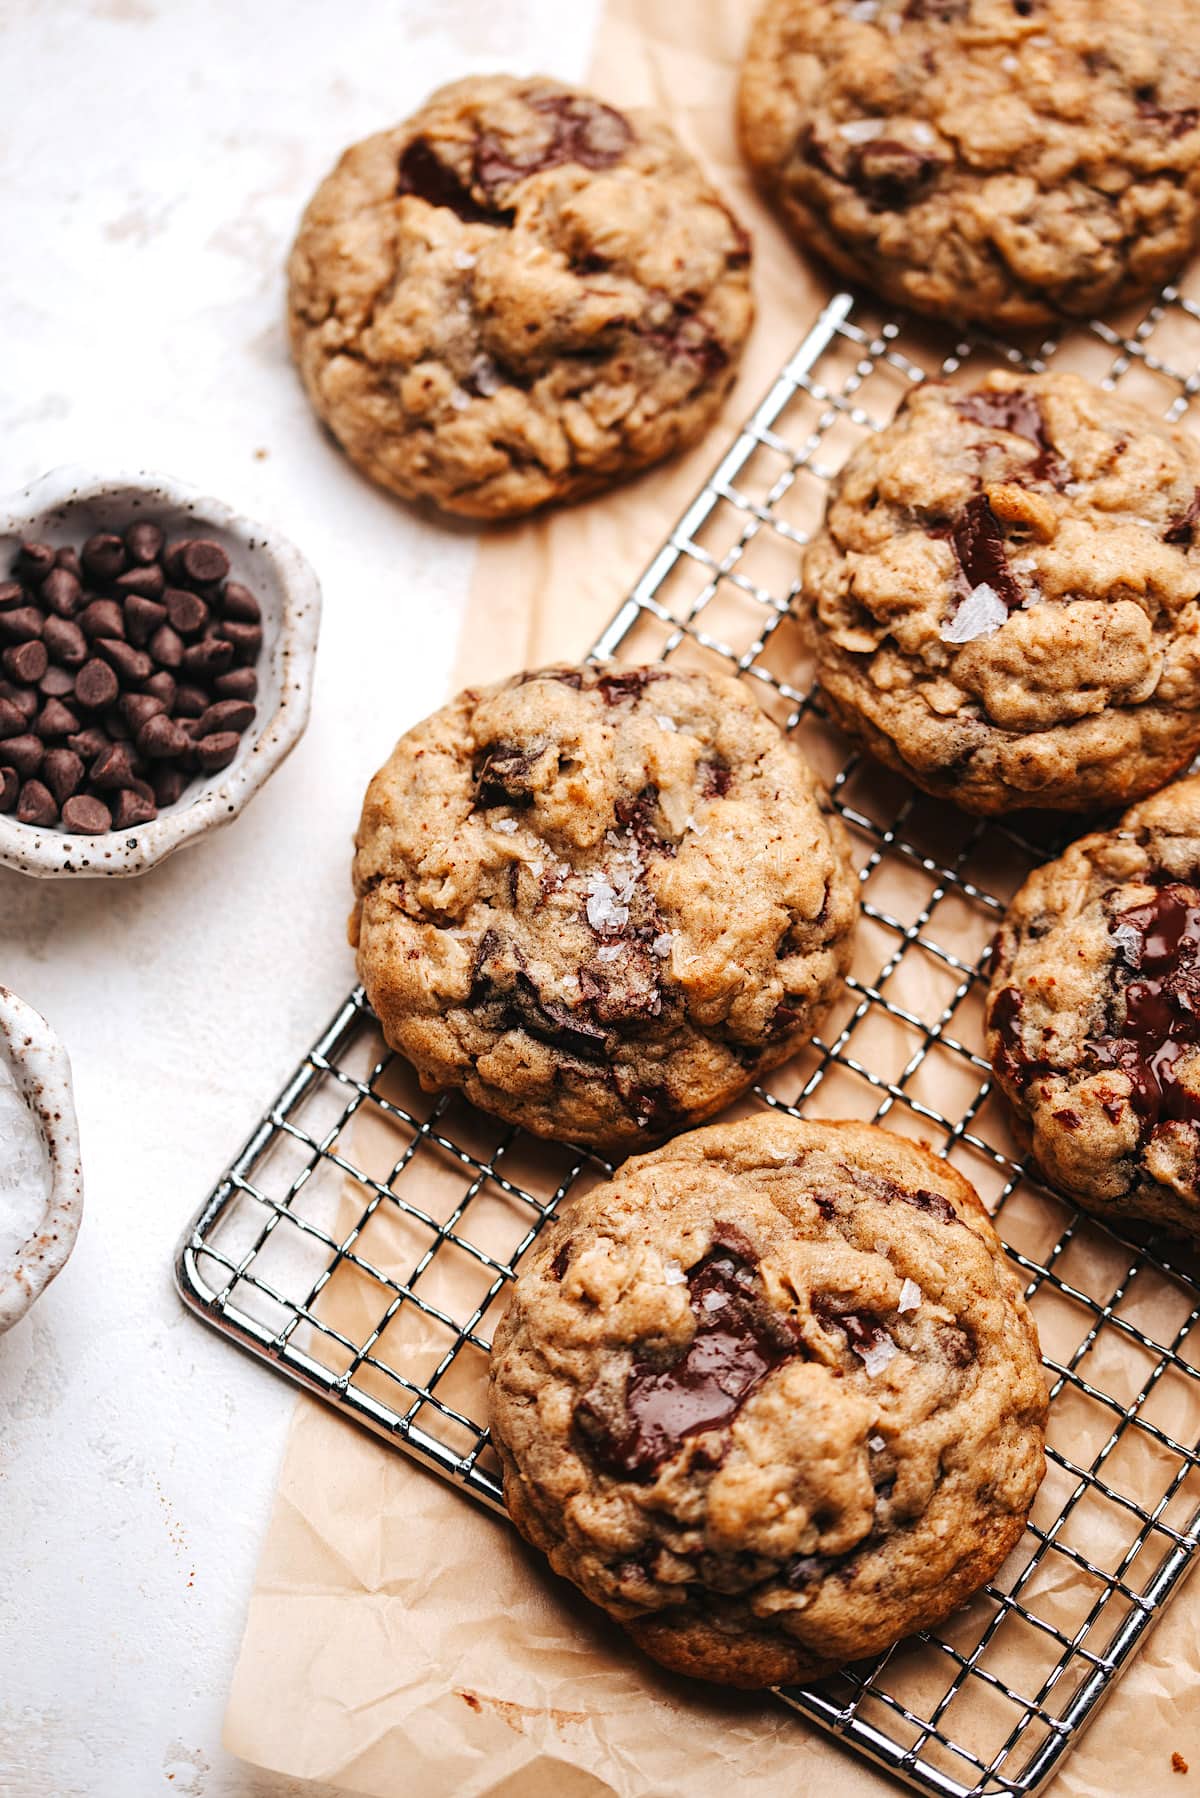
(400, 1641)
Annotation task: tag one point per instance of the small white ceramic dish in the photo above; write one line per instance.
(41, 1181)
(67, 506)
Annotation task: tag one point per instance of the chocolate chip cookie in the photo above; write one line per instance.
(601, 901)
(771, 1397)
(1003, 600)
(1094, 1014)
(1002, 161)
(519, 295)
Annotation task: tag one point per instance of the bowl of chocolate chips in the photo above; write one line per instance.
(156, 657)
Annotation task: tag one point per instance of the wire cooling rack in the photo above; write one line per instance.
(362, 1239)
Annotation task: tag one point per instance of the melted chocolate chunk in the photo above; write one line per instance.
(803, 1570)
(890, 175)
(1015, 1065)
(584, 131)
(935, 1204)
(637, 817)
(561, 1261)
(956, 1344)
(863, 1330)
(613, 688)
(424, 174)
(1021, 414)
(944, 11)
(1160, 943)
(687, 339)
(979, 545)
(1177, 119)
(738, 1341)
(715, 780)
(1182, 530)
(519, 1005)
(500, 774)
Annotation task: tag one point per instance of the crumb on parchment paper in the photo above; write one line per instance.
(1178, 1764)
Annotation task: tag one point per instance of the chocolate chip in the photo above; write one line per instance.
(10, 786)
(21, 624)
(35, 560)
(62, 771)
(166, 646)
(26, 661)
(86, 817)
(89, 743)
(56, 720)
(142, 618)
(630, 684)
(216, 751)
(24, 698)
(187, 611)
(202, 561)
(147, 583)
(68, 558)
(240, 603)
(162, 686)
(239, 683)
(103, 556)
(169, 784)
(144, 542)
(12, 719)
(96, 685)
(65, 642)
(112, 768)
(56, 683)
(36, 805)
(212, 655)
(226, 714)
(132, 809)
(62, 592)
(102, 618)
(190, 702)
(161, 738)
(136, 708)
(133, 665)
(247, 640)
(12, 593)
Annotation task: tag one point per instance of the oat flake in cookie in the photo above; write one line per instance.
(601, 901)
(1003, 599)
(517, 296)
(1094, 1014)
(1000, 161)
(771, 1397)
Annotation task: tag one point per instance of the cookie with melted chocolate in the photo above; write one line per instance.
(517, 296)
(1004, 601)
(771, 1397)
(990, 161)
(600, 901)
(1094, 1014)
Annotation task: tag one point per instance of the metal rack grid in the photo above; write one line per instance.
(362, 1239)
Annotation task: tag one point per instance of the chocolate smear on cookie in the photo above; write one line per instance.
(738, 1341)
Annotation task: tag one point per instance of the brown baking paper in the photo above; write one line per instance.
(401, 1642)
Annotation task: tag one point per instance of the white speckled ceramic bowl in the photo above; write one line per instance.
(68, 505)
(42, 1074)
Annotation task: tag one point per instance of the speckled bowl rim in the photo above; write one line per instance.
(42, 1072)
(50, 854)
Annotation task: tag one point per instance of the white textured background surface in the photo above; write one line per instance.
(156, 156)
